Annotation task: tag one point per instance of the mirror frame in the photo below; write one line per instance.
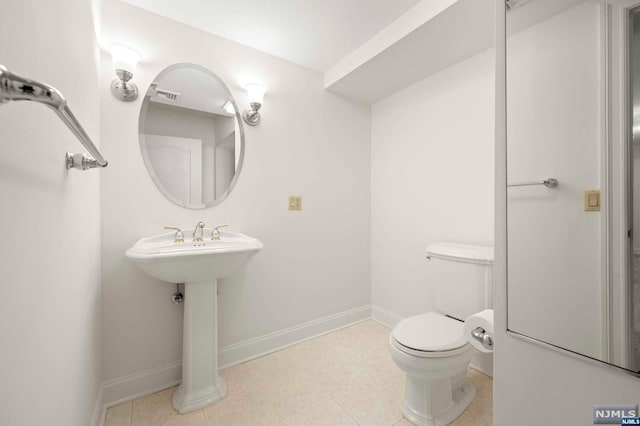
(147, 161)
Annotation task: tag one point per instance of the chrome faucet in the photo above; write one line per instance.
(215, 235)
(199, 229)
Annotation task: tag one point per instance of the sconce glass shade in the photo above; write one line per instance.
(124, 58)
(255, 92)
(229, 108)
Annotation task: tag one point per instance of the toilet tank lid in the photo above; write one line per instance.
(461, 252)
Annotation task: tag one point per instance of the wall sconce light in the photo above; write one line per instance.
(255, 93)
(125, 61)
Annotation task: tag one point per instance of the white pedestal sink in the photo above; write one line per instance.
(198, 265)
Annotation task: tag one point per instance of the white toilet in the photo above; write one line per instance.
(432, 348)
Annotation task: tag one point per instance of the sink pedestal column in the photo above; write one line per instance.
(201, 385)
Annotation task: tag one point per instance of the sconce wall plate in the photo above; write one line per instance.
(255, 93)
(252, 116)
(122, 88)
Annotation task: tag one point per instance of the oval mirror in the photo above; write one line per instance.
(191, 136)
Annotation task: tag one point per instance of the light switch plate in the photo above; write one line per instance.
(592, 200)
(295, 202)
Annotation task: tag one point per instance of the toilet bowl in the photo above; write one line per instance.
(432, 348)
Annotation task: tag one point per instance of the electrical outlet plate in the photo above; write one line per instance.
(295, 202)
(592, 200)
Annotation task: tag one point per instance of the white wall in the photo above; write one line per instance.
(535, 385)
(50, 356)
(311, 143)
(432, 178)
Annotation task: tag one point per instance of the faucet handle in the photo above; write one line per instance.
(179, 236)
(215, 235)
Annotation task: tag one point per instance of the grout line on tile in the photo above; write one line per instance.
(305, 411)
(346, 411)
(204, 416)
(384, 384)
(206, 421)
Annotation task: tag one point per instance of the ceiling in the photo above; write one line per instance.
(315, 34)
(435, 35)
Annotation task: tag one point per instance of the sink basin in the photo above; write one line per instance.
(198, 265)
(190, 261)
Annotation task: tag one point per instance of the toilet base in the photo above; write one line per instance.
(461, 397)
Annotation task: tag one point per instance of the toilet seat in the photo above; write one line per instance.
(430, 335)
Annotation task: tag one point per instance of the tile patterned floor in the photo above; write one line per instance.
(343, 378)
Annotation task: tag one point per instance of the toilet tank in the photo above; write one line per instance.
(462, 278)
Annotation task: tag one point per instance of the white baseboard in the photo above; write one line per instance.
(133, 386)
(253, 348)
(482, 362)
(385, 317)
(142, 383)
(97, 419)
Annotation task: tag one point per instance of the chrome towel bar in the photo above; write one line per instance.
(548, 182)
(16, 88)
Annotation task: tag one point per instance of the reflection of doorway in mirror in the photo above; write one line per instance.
(225, 154)
(177, 163)
(225, 163)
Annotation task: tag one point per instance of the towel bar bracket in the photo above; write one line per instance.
(80, 161)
